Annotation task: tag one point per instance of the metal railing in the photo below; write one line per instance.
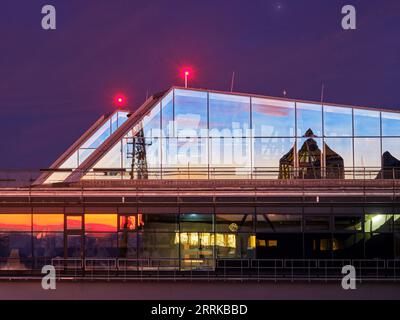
(204, 269)
(26, 178)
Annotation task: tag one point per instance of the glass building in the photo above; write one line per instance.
(196, 176)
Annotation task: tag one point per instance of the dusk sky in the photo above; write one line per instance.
(55, 84)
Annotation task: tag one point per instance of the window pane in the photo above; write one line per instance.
(74, 222)
(128, 245)
(348, 223)
(99, 136)
(391, 157)
(151, 122)
(48, 222)
(229, 115)
(160, 223)
(278, 223)
(273, 118)
(316, 223)
(338, 121)
(348, 245)
(234, 223)
(190, 113)
(101, 245)
(132, 222)
(16, 246)
(146, 153)
(239, 246)
(270, 153)
(378, 223)
(309, 155)
(366, 123)
(158, 246)
(15, 222)
(112, 159)
(49, 245)
(101, 222)
(230, 152)
(279, 246)
(167, 115)
(309, 116)
(338, 157)
(367, 153)
(390, 124)
(196, 222)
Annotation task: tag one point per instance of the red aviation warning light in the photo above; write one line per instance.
(186, 73)
(120, 100)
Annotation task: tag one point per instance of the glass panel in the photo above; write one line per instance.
(190, 113)
(238, 245)
(269, 154)
(196, 222)
(338, 121)
(74, 222)
(74, 246)
(229, 115)
(273, 118)
(348, 245)
(348, 223)
(309, 155)
(278, 223)
(367, 154)
(378, 223)
(101, 222)
(185, 158)
(158, 245)
(318, 246)
(391, 158)
(396, 219)
(196, 249)
(160, 223)
(112, 159)
(316, 223)
(366, 123)
(234, 154)
(101, 245)
(48, 222)
(71, 162)
(168, 115)
(379, 246)
(146, 153)
(338, 157)
(15, 247)
(279, 246)
(98, 137)
(49, 245)
(309, 117)
(151, 122)
(132, 222)
(390, 124)
(15, 222)
(234, 223)
(128, 245)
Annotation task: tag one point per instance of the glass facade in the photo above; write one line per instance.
(194, 134)
(197, 239)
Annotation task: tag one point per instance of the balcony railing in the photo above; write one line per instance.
(202, 269)
(26, 178)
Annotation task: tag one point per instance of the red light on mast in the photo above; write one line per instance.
(120, 100)
(186, 74)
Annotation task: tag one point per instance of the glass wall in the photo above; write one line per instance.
(194, 240)
(193, 134)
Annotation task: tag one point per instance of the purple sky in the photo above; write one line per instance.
(54, 84)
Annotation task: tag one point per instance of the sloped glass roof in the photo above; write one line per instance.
(200, 134)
